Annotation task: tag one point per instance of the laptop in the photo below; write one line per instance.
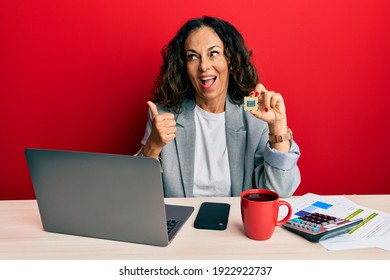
(108, 196)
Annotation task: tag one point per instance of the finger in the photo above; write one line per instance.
(260, 92)
(164, 120)
(259, 89)
(257, 114)
(162, 123)
(267, 95)
(169, 122)
(153, 108)
(170, 130)
(168, 135)
(277, 97)
(168, 116)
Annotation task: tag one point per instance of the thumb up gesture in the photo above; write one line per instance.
(163, 131)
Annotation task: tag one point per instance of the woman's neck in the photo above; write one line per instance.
(213, 106)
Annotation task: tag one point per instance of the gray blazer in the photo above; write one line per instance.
(253, 164)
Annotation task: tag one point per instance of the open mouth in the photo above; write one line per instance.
(208, 81)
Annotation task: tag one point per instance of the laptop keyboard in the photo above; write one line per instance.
(171, 224)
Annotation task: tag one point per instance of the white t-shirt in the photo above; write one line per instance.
(211, 172)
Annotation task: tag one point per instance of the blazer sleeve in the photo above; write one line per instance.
(277, 171)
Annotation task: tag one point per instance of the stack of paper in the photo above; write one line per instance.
(373, 231)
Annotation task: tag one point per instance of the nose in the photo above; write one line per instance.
(205, 64)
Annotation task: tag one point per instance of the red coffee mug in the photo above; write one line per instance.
(259, 212)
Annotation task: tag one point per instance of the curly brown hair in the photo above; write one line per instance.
(173, 83)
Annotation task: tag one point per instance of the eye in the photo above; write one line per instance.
(192, 57)
(214, 53)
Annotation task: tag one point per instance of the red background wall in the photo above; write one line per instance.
(76, 74)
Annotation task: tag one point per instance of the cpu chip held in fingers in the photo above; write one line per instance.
(251, 103)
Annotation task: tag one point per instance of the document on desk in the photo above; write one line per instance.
(373, 231)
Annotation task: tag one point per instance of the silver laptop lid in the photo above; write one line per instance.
(99, 195)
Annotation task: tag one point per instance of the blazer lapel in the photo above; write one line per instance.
(235, 140)
(185, 143)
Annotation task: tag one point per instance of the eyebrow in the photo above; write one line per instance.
(209, 49)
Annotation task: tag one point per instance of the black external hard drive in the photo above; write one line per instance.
(212, 215)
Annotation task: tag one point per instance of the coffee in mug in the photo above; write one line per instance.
(259, 212)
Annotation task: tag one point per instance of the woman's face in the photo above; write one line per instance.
(207, 66)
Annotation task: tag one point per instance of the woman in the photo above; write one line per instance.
(207, 143)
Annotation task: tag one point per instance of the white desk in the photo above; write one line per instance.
(22, 237)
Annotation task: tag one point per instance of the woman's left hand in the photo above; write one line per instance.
(271, 106)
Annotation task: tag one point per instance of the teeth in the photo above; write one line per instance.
(208, 78)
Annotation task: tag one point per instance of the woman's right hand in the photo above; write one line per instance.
(163, 131)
